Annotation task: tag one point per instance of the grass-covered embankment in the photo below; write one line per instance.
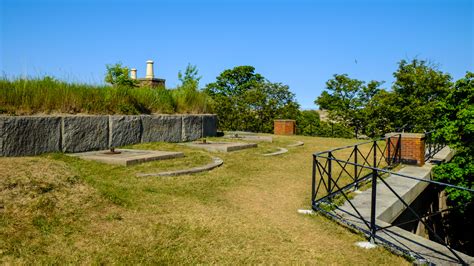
(63, 210)
(48, 95)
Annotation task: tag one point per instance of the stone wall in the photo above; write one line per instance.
(32, 135)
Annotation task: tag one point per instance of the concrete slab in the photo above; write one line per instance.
(216, 162)
(221, 146)
(127, 157)
(249, 137)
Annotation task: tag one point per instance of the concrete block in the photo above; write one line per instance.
(28, 135)
(165, 128)
(192, 127)
(125, 130)
(209, 125)
(85, 133)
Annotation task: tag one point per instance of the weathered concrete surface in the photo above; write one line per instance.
(28, 135)
(192, 127)
(127, 157)
(279, 152)
(85, 133)
(125, 130)
(216, 162)
(165, 128)
(209, 126)
(221, 146)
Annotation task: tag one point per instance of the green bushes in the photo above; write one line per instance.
(48, 95)
(309, 124)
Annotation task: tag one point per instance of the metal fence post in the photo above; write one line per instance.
(313, 182)
(355, 168)
(389, 159)
(374, 197)
(329, 172)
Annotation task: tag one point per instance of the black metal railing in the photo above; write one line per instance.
(433, 144)
(336, 173)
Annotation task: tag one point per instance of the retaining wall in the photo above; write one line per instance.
(32, 135)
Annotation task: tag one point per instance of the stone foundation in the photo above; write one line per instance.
(32, 135)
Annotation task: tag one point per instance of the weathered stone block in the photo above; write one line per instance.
(165, 128)
(192, 127)
(85, 133)
(22, 136)
(209, 125)
(125, 130)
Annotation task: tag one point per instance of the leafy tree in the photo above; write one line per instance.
(308, 123)
(245, 100)
(117, 75)
(456, 127)
(190, 76)
(345, 99)
(419, 87)
(187, 96)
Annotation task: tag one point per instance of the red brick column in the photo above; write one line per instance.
(412, 147)
(284, 127)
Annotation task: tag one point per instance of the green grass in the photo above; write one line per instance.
(59, 209)
(48, 96)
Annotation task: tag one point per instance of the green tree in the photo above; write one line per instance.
(456, 127)
(308, 123)
(190, 77)
(117, 75)
(345, 99)
(187, 96)
(245, 100)
(419, 86)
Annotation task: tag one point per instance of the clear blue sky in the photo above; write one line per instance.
(299, 43)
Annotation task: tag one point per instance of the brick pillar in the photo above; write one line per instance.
(412, 147)
(284, 127)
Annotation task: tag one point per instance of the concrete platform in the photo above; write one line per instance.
(249, 137)
(221, 146)
(127, 157)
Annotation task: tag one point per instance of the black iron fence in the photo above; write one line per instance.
(433, 144)
(338, 172)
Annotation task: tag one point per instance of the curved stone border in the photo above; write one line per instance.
(298, 143)
(280, 151)
(216, 162)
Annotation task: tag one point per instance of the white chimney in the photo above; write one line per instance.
(149, 69)
(133, 73)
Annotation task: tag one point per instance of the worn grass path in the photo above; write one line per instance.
(242, 212)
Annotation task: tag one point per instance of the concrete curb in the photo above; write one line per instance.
(297, 144)
(279, 152)
(216, 162)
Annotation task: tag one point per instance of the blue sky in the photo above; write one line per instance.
(299, 43)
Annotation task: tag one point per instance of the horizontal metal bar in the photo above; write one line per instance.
(402, 175)
(358, 144)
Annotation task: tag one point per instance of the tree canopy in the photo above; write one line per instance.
(245, 100)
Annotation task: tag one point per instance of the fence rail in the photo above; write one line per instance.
(432, 145)
(339, 171)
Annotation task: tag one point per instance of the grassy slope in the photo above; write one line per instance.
(49, 96)
(242, 212)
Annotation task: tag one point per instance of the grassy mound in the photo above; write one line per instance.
(48, 95)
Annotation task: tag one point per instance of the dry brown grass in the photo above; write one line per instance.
(242, 212)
